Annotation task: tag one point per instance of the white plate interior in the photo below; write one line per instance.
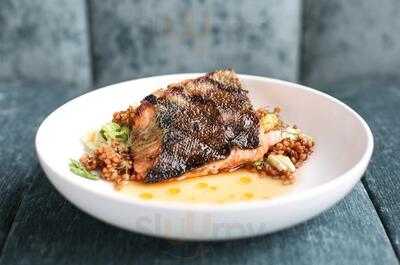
(340, 134)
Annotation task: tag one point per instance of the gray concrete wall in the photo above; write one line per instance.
(51, 41)
(350, 39)
(44, 40)
(149, 37)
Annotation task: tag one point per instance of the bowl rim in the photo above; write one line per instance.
(316, 191)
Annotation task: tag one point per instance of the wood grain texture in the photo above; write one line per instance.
(22, 108)
(378, 101)
(48, 229)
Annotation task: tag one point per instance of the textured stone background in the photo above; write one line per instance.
(345, 40)
(149, 37)
(44, 41)
(51, 41)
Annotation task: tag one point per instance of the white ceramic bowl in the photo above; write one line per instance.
(343, 150)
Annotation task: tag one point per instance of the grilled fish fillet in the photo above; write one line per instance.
(195, 128)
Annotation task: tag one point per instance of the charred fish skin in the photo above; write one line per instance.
(201, 121)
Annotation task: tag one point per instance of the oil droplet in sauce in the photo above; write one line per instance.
(174, 191)
(201, 185)
(248, 195)
(241, 185)
(146, 195)
(245, 180)
(213, 188)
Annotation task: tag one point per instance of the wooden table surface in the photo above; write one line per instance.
(38, 226)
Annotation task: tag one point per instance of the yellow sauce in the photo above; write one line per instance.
(236, 186)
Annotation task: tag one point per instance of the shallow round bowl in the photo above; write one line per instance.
(344, 145)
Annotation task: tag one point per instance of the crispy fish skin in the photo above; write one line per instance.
(191, 124)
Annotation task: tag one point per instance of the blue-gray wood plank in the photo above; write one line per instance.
(22, 108)
(150, 37)
(43, 41)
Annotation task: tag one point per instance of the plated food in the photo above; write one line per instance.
(191, 129)
(344, 145)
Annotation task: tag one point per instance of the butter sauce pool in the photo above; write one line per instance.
(241, 185)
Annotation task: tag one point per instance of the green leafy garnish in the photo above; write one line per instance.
(78, 169)
(113, 131)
